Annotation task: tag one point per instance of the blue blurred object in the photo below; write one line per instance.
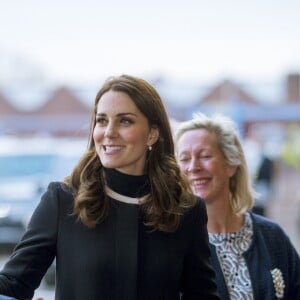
(3, 297)
(23, 179)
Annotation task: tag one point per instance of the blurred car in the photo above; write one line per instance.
(12, 228)
(24, 177)
(17, 202)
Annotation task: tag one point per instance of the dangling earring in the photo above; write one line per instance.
(150, 148)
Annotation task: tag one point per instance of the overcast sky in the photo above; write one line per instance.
(203, 40)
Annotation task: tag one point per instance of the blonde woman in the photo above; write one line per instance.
(252, 256)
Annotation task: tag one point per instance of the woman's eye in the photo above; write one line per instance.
(126, 121)
(101, 121)
(184, 159)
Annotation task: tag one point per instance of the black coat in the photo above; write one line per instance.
(118, 259)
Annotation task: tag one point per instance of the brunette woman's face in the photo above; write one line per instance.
(122, 134)
(201, 159)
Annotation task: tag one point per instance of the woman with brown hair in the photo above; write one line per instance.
(124, 224)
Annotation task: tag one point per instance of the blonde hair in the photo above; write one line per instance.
(227, 135)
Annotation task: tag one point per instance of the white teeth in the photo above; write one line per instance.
(112, 148)
(196, 182)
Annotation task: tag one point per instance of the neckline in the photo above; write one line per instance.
(132, 186)
(244, 231)
(125, 199)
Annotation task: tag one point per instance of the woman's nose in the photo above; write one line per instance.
(194, 165)
(110, 130)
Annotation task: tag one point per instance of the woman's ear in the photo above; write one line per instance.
(231, 170)
(153, 136)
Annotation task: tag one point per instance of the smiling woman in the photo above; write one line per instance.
(247, 249)
(121, 133)
(124, 217)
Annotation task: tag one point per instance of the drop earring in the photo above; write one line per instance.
(150, 148)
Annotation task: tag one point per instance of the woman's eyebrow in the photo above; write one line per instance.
(118, 115)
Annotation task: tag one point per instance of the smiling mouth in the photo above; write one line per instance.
(112, 149)
(200, 181)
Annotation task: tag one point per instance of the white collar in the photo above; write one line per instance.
(123, 198)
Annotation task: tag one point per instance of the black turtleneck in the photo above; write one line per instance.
(127, 185)
(126, 222)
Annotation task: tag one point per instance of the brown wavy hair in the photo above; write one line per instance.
(170, 194)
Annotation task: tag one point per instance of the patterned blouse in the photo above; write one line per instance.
(230, 247)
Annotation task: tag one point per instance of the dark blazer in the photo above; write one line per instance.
(270, 248)
(118, 259)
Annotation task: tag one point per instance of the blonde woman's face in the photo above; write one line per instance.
(122, 134)
(201, 159)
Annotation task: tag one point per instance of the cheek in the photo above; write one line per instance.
(183, 167)
(97, 134)
(137, 138)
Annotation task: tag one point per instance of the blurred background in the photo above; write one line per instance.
(239, 58)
